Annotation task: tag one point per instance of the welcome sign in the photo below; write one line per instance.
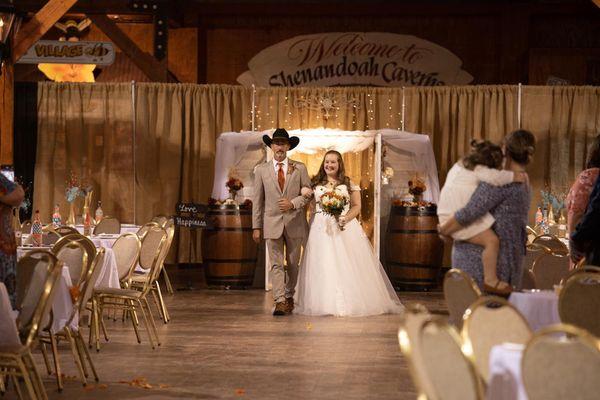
(355, 58)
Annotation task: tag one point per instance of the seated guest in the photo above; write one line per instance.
(579, 195)
(586, 238)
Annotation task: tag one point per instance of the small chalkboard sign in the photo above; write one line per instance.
(191, 215)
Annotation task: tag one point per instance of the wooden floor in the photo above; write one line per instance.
(227, 345)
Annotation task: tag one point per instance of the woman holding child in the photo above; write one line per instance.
(508, 205)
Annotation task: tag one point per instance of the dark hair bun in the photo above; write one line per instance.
(520, 146)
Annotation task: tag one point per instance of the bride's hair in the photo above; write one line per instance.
(321, 176)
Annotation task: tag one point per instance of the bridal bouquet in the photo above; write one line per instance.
(333, 203)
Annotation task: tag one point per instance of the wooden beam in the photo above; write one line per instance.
(41, 22)
(7, 87)
(149, 65)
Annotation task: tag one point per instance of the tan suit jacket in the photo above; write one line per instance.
(265, 212)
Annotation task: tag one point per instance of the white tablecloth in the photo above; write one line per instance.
(8, 327)
(540, 308)
(125, 228)
(105, 241)
(505, 373)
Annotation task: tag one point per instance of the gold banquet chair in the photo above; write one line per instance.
(491, 321)
(549, 270)
(460, 291)
(144, 229)
(451, 372)
(108, 225)
(83, 263)
(412, 321)
(160, 219)
(533, 251)
(169, 223)
(127, 252)
(147, 256)
(131, 300)
(531, 234)
(553, 243)
(562, 362)
(65, 230)
(579, 302)
(70, 248)
(16, 360)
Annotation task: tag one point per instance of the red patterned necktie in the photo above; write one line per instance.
(280, 176)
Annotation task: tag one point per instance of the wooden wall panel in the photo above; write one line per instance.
(474, 39)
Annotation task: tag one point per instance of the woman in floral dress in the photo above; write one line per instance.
(579, 195)
(11, 195)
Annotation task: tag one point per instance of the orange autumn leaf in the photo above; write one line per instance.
(240, 392)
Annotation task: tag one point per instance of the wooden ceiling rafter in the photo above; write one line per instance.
(37, 26)
(155, 70)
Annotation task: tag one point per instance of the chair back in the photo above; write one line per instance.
(65, 230)
(170, 229)
(127, 252)
(87, 286)
(78, 253)
(108, 225)
(531, 234)
(533, 251)
(579, 302)
(415, 316)
(153, 247)
(452, 374)
(561, 362)
(26, 227)
(460, 291)
(42, 270)
(50, 238)
(553, 243)
(142, 231)
(528, 280)
(8, 329)
(491, 321)
(160, 220)
(550, 269)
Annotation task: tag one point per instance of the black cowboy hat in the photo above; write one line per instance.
(281, 133)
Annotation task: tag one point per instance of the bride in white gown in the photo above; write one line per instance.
(340, 274)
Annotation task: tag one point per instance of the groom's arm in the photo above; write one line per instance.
(301, 201)
(258, 200)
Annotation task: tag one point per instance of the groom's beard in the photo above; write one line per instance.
(280, 155)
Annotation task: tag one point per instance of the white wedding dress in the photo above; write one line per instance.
(340, 274)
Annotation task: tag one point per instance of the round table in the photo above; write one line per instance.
(539, 307)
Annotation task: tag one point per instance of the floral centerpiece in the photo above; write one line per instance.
(234, 184)
(417, 187)
(552, 202)
(333, 203)
(72, 192)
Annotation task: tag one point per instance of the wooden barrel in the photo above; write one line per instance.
(414, 251)
(228, 251)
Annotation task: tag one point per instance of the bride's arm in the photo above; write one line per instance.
(354, 206)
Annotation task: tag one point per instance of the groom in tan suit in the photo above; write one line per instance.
(279, 216)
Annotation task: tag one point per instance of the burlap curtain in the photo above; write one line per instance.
(453, 116)
(177, 126)
(86, 129)
(565, 120)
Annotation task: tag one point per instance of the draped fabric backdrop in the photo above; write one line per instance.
(89, 129)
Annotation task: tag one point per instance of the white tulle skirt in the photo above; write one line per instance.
(340, 275)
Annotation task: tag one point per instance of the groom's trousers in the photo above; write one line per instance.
(284, 278)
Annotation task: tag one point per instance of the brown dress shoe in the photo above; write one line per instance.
(289, 305)
(280, 308)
